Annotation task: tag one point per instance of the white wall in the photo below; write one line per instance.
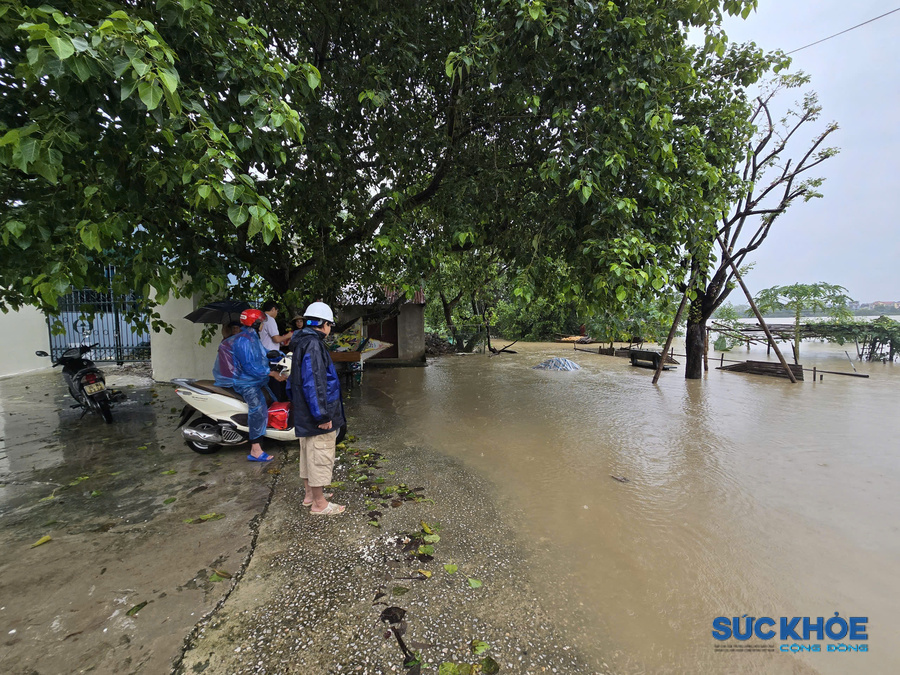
(178, 354)
(23, 333)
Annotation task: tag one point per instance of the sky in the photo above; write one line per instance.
(850, 237)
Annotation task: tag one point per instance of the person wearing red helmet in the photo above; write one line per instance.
(245, 368)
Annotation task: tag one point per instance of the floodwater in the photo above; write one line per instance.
(746, 495)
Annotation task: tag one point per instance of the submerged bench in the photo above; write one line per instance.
(646, 359)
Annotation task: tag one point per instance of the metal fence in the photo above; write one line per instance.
(89, 317)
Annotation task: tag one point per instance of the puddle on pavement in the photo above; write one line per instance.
(50, 453)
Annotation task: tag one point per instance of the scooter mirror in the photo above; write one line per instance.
(41, 353)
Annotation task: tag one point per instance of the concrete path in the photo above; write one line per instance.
(125, 585)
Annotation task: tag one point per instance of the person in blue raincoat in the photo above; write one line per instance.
(242, 365)
(318, 412)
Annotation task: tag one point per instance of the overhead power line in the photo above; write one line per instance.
(844, 31)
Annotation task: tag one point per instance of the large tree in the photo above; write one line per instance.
(130, 134)
(165, 138)
(773, 174)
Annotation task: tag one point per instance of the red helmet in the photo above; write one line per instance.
(249, 317)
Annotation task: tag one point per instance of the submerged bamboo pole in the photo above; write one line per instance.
(662, 359)
(762, 322)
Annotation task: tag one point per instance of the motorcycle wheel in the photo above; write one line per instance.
(105, 411)
(203, 424)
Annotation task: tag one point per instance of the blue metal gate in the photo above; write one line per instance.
(89, 317)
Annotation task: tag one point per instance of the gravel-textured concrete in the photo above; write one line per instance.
(305, 593)
(307, 602)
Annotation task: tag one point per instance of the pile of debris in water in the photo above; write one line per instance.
(557, 363)
(577, 339)
(435, 345)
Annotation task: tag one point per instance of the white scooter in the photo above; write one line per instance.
(222, 413)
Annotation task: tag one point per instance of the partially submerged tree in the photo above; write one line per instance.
(800, 298)
(772, 175)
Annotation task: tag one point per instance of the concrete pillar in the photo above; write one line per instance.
(25, 332)
(180, 354)
(411, 333)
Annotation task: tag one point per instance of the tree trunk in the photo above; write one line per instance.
(694, 342)
(448, 306)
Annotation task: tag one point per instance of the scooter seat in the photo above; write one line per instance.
(210, 386)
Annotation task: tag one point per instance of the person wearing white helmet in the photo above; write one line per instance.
(317, 407)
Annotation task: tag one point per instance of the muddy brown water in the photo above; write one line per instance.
(746, 495)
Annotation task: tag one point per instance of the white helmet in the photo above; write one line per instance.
(319, 310)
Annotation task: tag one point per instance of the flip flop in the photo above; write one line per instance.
(327, 496)
(265, 457)
(331, 510)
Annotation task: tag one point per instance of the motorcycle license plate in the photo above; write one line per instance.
(91, 389)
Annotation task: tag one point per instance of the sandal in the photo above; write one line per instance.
(331, 510)
(265, 457)
(327, 495)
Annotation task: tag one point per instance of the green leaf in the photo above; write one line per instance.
(451, 568)
(61, 46)
(40, 542)
(128, 87)
(170, 472)
(478, 647)
(28, 151)
(169, 78)
(474, 583)
(151, 94)
(238, 214)
(137, 608)
(169, 500)
(140, 67)
(313, 77)
(489, 666)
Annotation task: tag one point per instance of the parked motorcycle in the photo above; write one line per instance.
(215, 416)
(86, 382)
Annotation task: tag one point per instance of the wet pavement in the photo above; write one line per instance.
(113, 499)
(126, 585)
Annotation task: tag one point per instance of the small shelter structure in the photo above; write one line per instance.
(394, 319)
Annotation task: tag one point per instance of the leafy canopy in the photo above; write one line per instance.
(199, 143)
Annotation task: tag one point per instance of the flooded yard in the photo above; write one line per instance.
(746, 495)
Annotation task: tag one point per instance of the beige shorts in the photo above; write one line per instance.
(317, 458)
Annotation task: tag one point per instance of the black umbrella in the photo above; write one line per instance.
(221, 312)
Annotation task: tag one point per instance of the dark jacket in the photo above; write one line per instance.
(315, 387)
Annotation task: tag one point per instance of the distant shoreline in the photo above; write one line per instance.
(780, 314)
